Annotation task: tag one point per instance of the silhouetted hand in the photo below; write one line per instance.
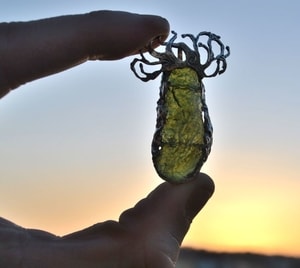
(148, 235)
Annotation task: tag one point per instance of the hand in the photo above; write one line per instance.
(31, 50)
(148, 235)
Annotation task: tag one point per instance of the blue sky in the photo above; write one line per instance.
(75, 147)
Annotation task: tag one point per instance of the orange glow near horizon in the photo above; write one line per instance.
(247, 221)
(255, 220)
(243, 217)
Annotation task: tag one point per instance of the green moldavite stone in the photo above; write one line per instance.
(180, 154)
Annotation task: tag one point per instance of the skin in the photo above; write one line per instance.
(147, 235)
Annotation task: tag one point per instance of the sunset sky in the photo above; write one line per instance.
(75, 147)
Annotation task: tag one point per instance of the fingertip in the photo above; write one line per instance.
(206, 182)
(200, 190)
(157, 25)
(169, 209)
(157, 28)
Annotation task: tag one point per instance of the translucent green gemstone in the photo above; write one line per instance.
(181, 138)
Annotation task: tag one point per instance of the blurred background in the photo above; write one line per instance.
(75, 147)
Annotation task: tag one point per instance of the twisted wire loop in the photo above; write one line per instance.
(169, 61)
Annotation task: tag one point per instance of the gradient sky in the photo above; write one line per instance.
(75, 147)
